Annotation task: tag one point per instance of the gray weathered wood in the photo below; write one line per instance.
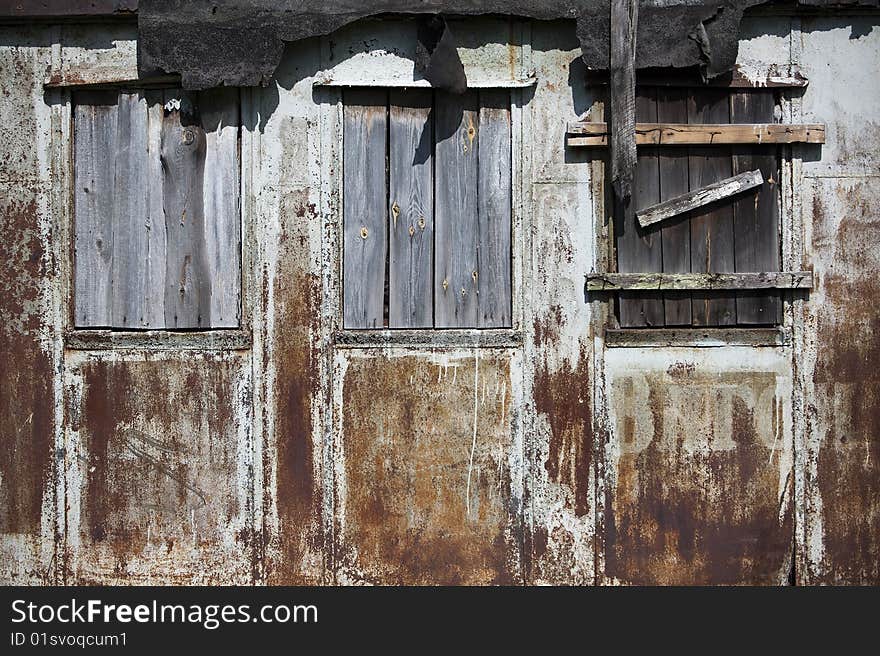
(493, 270)
(187, 277)
(674, 235)
(411, 210)
(639, 250)
(675, 134)
(157, 247)
(695, 337)
(756, 219)
(622, 93)
(94, 170)
(220, 120)
(365, 190)
(131, 231)
(604, 282)
(456, 208)
(711, 227)
(711, 193)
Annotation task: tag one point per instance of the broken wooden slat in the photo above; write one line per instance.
(711, 227)
(456, 207)
(220, 120)
(493, 270)
(638, 250)
(677, 134)
(700, 197)
(187, 281)
(130, 218)
(94, 143)
(603, 282)
(756, 218)
(411, 215)
(674, 235)
(364, 222)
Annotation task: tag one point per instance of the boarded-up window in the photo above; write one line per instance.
(427, 209)
(737, 234)
(156, 209)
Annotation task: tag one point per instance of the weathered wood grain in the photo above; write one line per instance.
(94, 171)
(674, 134)
(411, 210)
(674, 235)
(187, 277)
(130, 218)
(699, 197)
(365, 189)
(493, 269)
(711, 227)
(622, 93)
(695, 337)
(157, 246)
(604, 282)
(637, 249)
(220, 118)
(456, 206)
(756, 218)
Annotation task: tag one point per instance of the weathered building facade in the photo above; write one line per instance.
(557, 446)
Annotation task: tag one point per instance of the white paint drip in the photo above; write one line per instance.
(474, 438)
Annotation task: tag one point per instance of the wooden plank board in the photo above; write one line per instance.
(187, 278)
(130, 217)
(695, 337)
(365, 235)
(639, 250)
(94, 171)
(456, 207)
(756, 218)
(493, 268)
(604, 282)
(221, 122)
(675, 234)
(411, 211)
(622, 94)
(711, 227)
(157, 247)
(694, 199)
(704, 133)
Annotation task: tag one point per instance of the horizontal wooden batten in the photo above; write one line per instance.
(604, 282)
(694, 337)
(584, 133)
(700, 197)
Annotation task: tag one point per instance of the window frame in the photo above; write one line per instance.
(63, 207)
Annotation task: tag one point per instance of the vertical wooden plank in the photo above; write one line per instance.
(712, 226)
(675, 233)
(187, 278)
(623, 95)
(494, 199)
(411, 209)
(221, 121)
(94, 170)
(639, 250)
(154, 286)
(756, 214)
(456, 208)
(365, 191)
(131, 232)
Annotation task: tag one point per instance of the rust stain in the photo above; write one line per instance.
(26, 395)
(295, 357)
(697, 497)
(160, 471)
(408, 436)
(848, 385)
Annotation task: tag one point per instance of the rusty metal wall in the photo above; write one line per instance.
(288, 455)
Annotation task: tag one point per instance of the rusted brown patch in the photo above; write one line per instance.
(848, 385)
(26, 394)
(295, 356)
(161, 488)
(416, 511)
(697, 498)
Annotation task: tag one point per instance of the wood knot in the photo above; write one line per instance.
(445, 285)
(422, 222)
(395, 211)
(364, 232)
(188, 137)
(412, 231)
